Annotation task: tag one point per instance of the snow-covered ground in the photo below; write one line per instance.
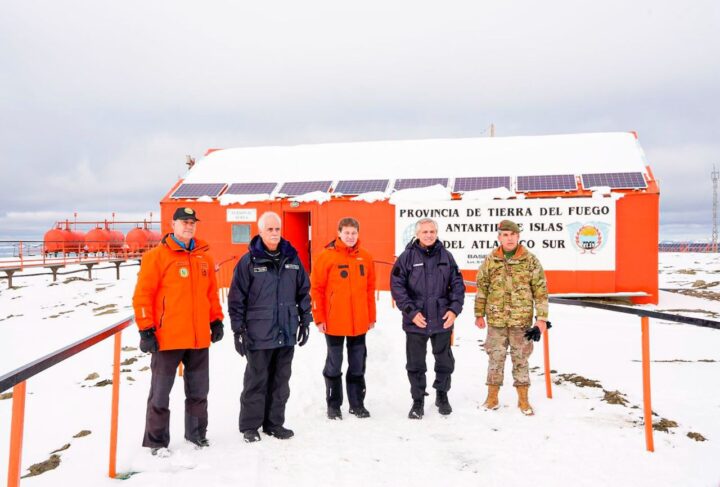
(575, 438)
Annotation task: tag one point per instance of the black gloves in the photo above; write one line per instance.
(148, 341)
(242, 342)
(216, 331)
(534, 332)
(303, 333)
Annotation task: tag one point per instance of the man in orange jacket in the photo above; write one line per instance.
(343, 296)
(178, 313)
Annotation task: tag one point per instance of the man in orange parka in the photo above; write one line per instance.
(178, 313)
(343, 296)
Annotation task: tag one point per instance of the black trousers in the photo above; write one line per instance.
(266, 388)
(355, 376)
(164, 366)
(416, 350)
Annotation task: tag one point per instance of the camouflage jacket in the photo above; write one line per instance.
(506, 290)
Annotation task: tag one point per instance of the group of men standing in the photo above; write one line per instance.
(178, 313)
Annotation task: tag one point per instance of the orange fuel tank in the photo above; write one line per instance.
(141, 239)
(99, 240)
(63, 240)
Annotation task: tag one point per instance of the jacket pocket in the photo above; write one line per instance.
(260, 323)
(293, 321)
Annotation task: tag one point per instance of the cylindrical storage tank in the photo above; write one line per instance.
(141, 239)
(67, 241)
(117, 241)
(104, 240)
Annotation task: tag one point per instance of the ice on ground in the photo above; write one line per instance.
(575, 438)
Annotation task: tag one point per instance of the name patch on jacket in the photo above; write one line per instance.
(204, 269)
(292, 266)
(259, 269)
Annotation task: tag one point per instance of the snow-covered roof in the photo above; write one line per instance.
(437, 158)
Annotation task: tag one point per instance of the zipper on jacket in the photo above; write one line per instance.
(193, 294)
(162, 315)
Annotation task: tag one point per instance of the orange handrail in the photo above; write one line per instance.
(16, 434)
(647, 407)
(546, 356)
(115, 406)
(17, 379)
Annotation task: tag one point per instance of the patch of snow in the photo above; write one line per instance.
(437, 192)
(489, 194)
(371, 196)
(318, 196)
(497, 156)
(204, 199)
(600, 191)
(229, 199)
(469, 447)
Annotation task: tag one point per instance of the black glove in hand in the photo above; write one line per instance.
(303, 333)
(216, 331)
(148, 341)
(242, 342)
(534, 333)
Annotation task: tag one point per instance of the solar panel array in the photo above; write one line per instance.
(251, 188)
(359, 186)
(298, 188)
(558, 182)
(472, 184)
(622, 180)
(419, 183)
(196, 190)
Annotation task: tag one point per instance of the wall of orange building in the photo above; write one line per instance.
(636, 240)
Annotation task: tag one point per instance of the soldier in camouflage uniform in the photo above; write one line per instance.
(510, 283)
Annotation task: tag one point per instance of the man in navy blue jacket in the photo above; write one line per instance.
(269, 307)
(428, 288)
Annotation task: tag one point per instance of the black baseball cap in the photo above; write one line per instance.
(185, 213)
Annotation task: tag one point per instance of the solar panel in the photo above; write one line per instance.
(251, 188)
(295, 189)
(558, 182)
(623, 180)
(472, 184)
(419, 183)
(196, 190)
(359, 186)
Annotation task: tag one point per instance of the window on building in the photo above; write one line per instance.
(240, 233)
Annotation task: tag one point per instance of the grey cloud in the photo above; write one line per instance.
(100, 103)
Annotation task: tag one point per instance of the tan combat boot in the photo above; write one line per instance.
(492, 398)
(523, 402)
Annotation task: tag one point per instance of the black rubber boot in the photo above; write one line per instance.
(418, 409)
(441, 401)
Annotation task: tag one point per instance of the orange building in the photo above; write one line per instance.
(588, 204)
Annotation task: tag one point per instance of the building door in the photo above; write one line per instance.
(296, 229)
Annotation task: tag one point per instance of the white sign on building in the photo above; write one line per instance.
(241, 214)
(566, 234)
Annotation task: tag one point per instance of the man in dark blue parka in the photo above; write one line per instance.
(269, 307)
(428, 288)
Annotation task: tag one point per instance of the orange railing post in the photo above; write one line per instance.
(180, 369)
(115, 406)
(647, 406)
(546, 355)
(16, 434)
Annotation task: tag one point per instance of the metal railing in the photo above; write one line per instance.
(17, 380)
(18, 254)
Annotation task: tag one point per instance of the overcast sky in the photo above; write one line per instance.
(100, 101)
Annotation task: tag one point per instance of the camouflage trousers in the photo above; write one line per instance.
(496, 345)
